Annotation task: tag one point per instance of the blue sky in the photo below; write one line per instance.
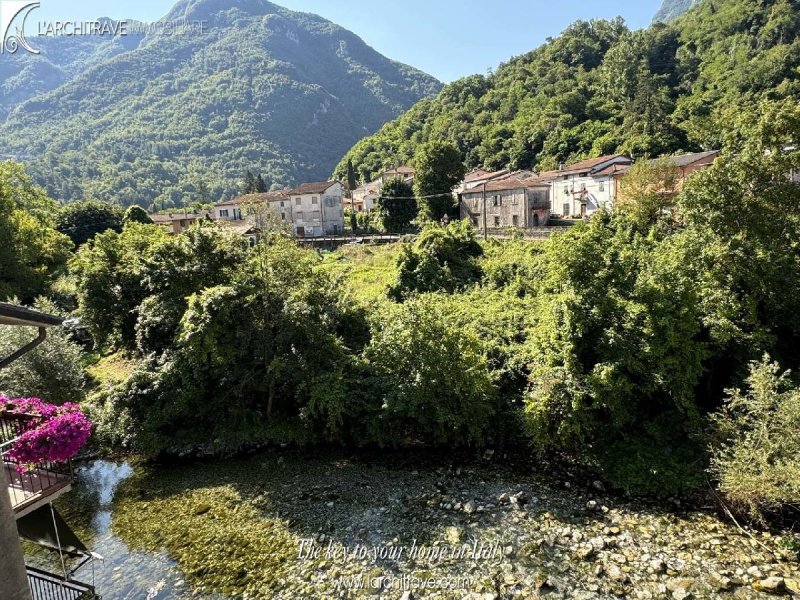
(445, 38)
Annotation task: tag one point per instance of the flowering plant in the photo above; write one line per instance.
(52, 434)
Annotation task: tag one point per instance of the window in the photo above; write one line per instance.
(298, 201)
(566, 210)
(283, 216)
(237, 213)
(514, 199)
(602, 186)
(496, 201)
(314, 200)
(223, 213)
(583, 187)
(283, 204)
(566, 190)
(497, 221)
(299, 215)
(183, 223)
(515, 221)
(331, 202)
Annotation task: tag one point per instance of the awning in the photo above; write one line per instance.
(39, 527)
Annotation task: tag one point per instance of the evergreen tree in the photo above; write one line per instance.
(351, 176)
(249, 183)
(261, 185)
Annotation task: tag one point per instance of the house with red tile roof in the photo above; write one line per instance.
(507, 202)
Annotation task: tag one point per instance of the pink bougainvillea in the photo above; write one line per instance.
(51, 434)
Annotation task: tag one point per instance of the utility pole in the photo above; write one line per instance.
(485, 230)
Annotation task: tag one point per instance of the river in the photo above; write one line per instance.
(314, 524)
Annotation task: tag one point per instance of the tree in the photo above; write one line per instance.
(647, 192)
(32, 252)
(136, 214)
(81, 221)
(439, 169)
(53, 371)
(351, 176)
(249, 186)
(260, 185)
(397, 206)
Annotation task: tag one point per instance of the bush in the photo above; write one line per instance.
(756, 452)
(436, 385)
(441, 259)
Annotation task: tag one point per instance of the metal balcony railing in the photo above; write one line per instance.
(48, 586)
(28, 485)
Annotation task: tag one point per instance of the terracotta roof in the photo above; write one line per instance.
(615, 169)
(684, 160)
(367, 188)
(589, 164)
(507, 184)
(313, 188)
(169, 218)
(400, 171)
(265, 197)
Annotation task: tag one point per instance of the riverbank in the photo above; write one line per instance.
(317, 524)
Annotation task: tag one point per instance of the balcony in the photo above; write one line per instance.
(48, 586)
(34, 485)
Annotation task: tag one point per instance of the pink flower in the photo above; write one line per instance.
(53, 434)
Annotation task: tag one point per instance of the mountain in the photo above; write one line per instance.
(216, 88)
(61, 59)
(600, 89)
(672, 9)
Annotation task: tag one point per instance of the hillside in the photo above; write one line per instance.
(599, 88)
(672, 9)
(61, 59)
(182, 116)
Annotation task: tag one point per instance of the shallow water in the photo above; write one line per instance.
(123, 574)
(232, 529)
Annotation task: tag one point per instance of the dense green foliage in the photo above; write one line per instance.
(136, 214)
(32, 252)
(599, 88)
(53, 371)
(756, 454)
(397, 207)
(81, 221)
(181, 117)
(441, 258)
(61, 59)
(439, 169)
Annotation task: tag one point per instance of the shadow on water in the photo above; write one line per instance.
(124, 574)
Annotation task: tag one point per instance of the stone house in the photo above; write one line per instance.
(175, 223)
(506, 203)
(316, 209)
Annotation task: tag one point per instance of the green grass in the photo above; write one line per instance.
(112, 369)
(365, 271)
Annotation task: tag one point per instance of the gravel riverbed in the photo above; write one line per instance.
(286, 524)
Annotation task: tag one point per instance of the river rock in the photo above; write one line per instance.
(771, 585)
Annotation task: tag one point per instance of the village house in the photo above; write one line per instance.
(315, 209)
(175, 223)
(685, 165)
(506, 203)
(585, 187)
(365, 197)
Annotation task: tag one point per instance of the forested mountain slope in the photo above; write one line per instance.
(182, 116)
(599, 88)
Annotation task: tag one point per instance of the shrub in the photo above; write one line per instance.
(436, 385)
(441, 259)
(756, 451)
